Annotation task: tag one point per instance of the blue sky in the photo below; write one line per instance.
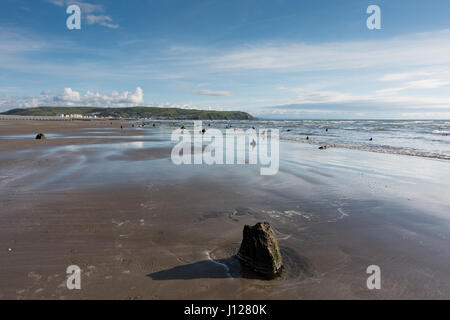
(274, 59)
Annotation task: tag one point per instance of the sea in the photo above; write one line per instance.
(423, 138)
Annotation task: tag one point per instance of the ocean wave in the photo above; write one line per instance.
(442, 132)
(422, 138)
(378, 149)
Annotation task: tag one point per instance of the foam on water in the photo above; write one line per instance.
(425, 138)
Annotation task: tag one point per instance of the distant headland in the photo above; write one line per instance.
(131, 113)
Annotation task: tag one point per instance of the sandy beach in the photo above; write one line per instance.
(111, 201)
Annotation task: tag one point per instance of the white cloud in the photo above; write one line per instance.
(431, 48)
(305, 96)
(13, 42)
(105, 21)
(411, 64)
(425, 115)
(59, 3)
(207, 92)
(417, 85)
(427, 84)
(85, 7)
(70, 97)
(403, 76)
(377, 98)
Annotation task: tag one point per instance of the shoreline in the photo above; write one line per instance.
(322, 141)
(359, 148)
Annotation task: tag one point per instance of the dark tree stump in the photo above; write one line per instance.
(260, 251)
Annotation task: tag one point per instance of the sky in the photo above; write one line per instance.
(276, 59)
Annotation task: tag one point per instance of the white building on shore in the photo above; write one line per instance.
(76, 116)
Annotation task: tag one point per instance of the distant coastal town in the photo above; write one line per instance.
(77, 116)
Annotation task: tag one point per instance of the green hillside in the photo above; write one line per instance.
(135, 113)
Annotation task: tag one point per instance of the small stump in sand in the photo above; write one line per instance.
(260, 251)
(40, 136)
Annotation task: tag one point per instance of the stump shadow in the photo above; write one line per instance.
(295, 266)
(207, 269)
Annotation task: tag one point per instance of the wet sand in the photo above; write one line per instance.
(110, 201)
